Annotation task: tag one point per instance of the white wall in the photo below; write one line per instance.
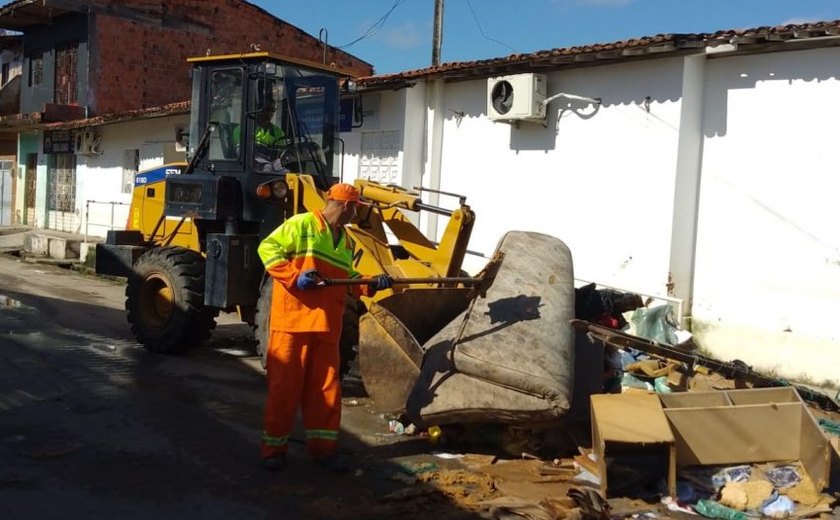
(768, 252)
(757, 159)
(99, 178)
(600, 179)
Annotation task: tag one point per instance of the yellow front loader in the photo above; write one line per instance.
(189, 250)
(427, 346)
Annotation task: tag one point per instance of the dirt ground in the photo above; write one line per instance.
(92, 425)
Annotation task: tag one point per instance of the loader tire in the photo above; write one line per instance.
(349, 331)
(263, 312)
(165, 301)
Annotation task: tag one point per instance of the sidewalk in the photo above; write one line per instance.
(44, 243)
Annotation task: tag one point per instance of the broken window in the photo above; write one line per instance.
(66, 57)
(36, 69)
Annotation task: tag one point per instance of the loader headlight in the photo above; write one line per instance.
(273, 190)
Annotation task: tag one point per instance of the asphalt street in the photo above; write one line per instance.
(92, 425)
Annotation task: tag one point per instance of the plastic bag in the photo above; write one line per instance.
(656, 323)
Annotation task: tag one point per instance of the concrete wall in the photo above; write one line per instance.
(767, 284)
(706, 178)
(99, 178)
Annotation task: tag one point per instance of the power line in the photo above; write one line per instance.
(375, 27)
(481, 30)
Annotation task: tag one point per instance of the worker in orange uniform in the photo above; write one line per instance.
(305, 326)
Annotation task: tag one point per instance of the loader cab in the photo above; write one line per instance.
(272, 115)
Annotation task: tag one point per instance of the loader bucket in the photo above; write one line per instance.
(390, 335)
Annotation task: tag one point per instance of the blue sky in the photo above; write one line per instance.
(396, 35)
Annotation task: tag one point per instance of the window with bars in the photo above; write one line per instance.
(36, 69)
(63, 183)
(66, 58)
(131, 163)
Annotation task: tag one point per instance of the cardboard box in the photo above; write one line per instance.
(628, 425)
(710, 428)
(747, 426)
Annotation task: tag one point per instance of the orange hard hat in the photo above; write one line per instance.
(343, 192)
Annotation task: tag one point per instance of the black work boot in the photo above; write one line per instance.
(275, 462)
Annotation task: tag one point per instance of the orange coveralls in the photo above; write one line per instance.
(305, 328)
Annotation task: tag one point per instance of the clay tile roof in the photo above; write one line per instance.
(746, 40)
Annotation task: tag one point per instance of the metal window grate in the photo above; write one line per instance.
(63, 183)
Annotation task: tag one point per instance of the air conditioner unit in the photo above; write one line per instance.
(518, 97)
(86, 143)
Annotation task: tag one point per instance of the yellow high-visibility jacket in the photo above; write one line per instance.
(301, 243)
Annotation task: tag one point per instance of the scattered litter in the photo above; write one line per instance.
(351, 402)
(656, 323)
(447, 456)
(711, 509)
(674, 505)
(749, 495)
(415, 468)
(630, 381)
(781, 507)
(686, 492)
(395, 426)
(829, 426)
(504, 508)
(731, 474)
(104, 347)
(587, 477)
(660, 385)
(783, 476)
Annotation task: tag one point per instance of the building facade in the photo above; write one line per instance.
(697, 169)
(91, 65)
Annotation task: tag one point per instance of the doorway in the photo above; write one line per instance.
(7, 190)
(62, 193)
(29, 189)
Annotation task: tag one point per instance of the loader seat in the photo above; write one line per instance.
(221, 142)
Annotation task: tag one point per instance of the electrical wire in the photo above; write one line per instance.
(481, 30)
(375, 27)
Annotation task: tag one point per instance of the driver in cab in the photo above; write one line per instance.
(269, 140)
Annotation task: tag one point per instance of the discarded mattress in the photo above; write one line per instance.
(509, 357)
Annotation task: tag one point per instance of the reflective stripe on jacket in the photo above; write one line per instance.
(301, 243)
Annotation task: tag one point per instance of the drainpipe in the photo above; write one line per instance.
(687, 186)
(434, 149)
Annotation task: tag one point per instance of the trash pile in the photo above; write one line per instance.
(740, 492)
(669, 434)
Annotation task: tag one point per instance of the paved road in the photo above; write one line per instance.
(94, 426)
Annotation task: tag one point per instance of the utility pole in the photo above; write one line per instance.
(437, 34)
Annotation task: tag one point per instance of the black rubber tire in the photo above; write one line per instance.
(349, 342)
(165, 301)
(349, 331)
(262, 314)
